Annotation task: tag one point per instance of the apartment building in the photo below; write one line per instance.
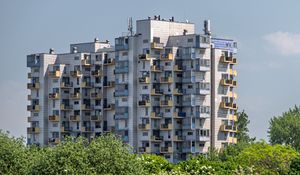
(164, 90)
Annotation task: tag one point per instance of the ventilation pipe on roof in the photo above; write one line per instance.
(51, 51)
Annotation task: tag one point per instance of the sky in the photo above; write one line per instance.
(267, 32)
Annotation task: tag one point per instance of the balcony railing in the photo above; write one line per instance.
(228, 82)
(228, 128)
(33, 108)
(177, 68)
(97, 73)
(155, 115)
(166, 150)
(54, 74)
(228, 60)
(232, 95)
(65, 129)
(178, 138)
(167, 57)
(144, 103)
(144, 57)
(86, 84)
(109, 61)
(166, 80)
(75, 95)
(145, 80)
(166, 126)
(228, 105)
(177, 91)
(75, 73)
(157, 92)
(179, 114)
(232, 140)
(144, 126)
(108, 107)
(86, 62)
(54, 118)
(232, 117)
(232, 72)
(66, 107)
(155, 68)
(74, 118)
(65, 85)
(108, 84)
(85, 107)
(96, 117)
(155, 45)
(144, 150)
(96, 95)
(53, 141)
(33, 130)
(86, 129)
(166, 103)
(156, 138)
(33, 86)
(54, 96)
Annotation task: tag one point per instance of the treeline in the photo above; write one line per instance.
(108, 155)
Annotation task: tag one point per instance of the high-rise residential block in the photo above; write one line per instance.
(165, 90)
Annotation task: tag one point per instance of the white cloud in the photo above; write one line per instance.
(284, 42)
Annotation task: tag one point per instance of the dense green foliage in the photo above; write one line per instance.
(285, 129)
(108, 155)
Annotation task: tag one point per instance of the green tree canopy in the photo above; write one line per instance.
(285, 129)
(242, 128)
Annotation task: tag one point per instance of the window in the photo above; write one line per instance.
(190, 133)
(55, 125)
(145, 133)
(76, 102)
(145, 87)
(55, 81)
(76, 58)
(53, 104)
(143, 64)
(37, 93)
(146, 111)
(124, 99)
(35, 114)
(145, 41)
(190, 86)
(190, 40)
(124, 53)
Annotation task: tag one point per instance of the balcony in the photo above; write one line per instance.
(166, 80)
(228, 128)
(232, 72)
(177, 68)
(179, 115)
(109, 107)
(228, 105)
(144, 126)
(33, 130)
(167, 57)
(155, 68)
(156, 138)
(54, 96)
(29, 75)
(121, 93)
(144, 57)
(33, 86)
(33, 108)
(232, 140)
(85, 107)
(85, 84)
(96, 118)
(65, 107)
(156, 92)
(155, 115)
(144, 103)
(74, 118)
(228, 82)
(29, 97)
(177, 92)
(232, 95)
(166, 103)
(75, 96)
(86, 62)
(65, 85)
(108, 84)
(144, 150)
(178, 138)
(97, 73)
(54, 74)
(155, 45)
(166, 126)
(53, 118)
(144, 80)
(75, 73)
(86, 129)
(232, 117)
(166, 150)
(109, 61)
(54, 141)
(121, 116)
(96, 95)
(228, 60)
(121, 69)
(65, 129)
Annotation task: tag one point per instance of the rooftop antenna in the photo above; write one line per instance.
(130, 29)
(207, 27)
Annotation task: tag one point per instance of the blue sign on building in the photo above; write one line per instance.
(224, 44)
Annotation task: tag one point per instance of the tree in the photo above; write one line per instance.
(285, 129)
(295, 166)
(242, 128)
(267, 159)
(155, 164)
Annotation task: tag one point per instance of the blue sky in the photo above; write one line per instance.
(268, 35)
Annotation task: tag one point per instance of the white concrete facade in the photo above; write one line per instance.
(165, 90)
